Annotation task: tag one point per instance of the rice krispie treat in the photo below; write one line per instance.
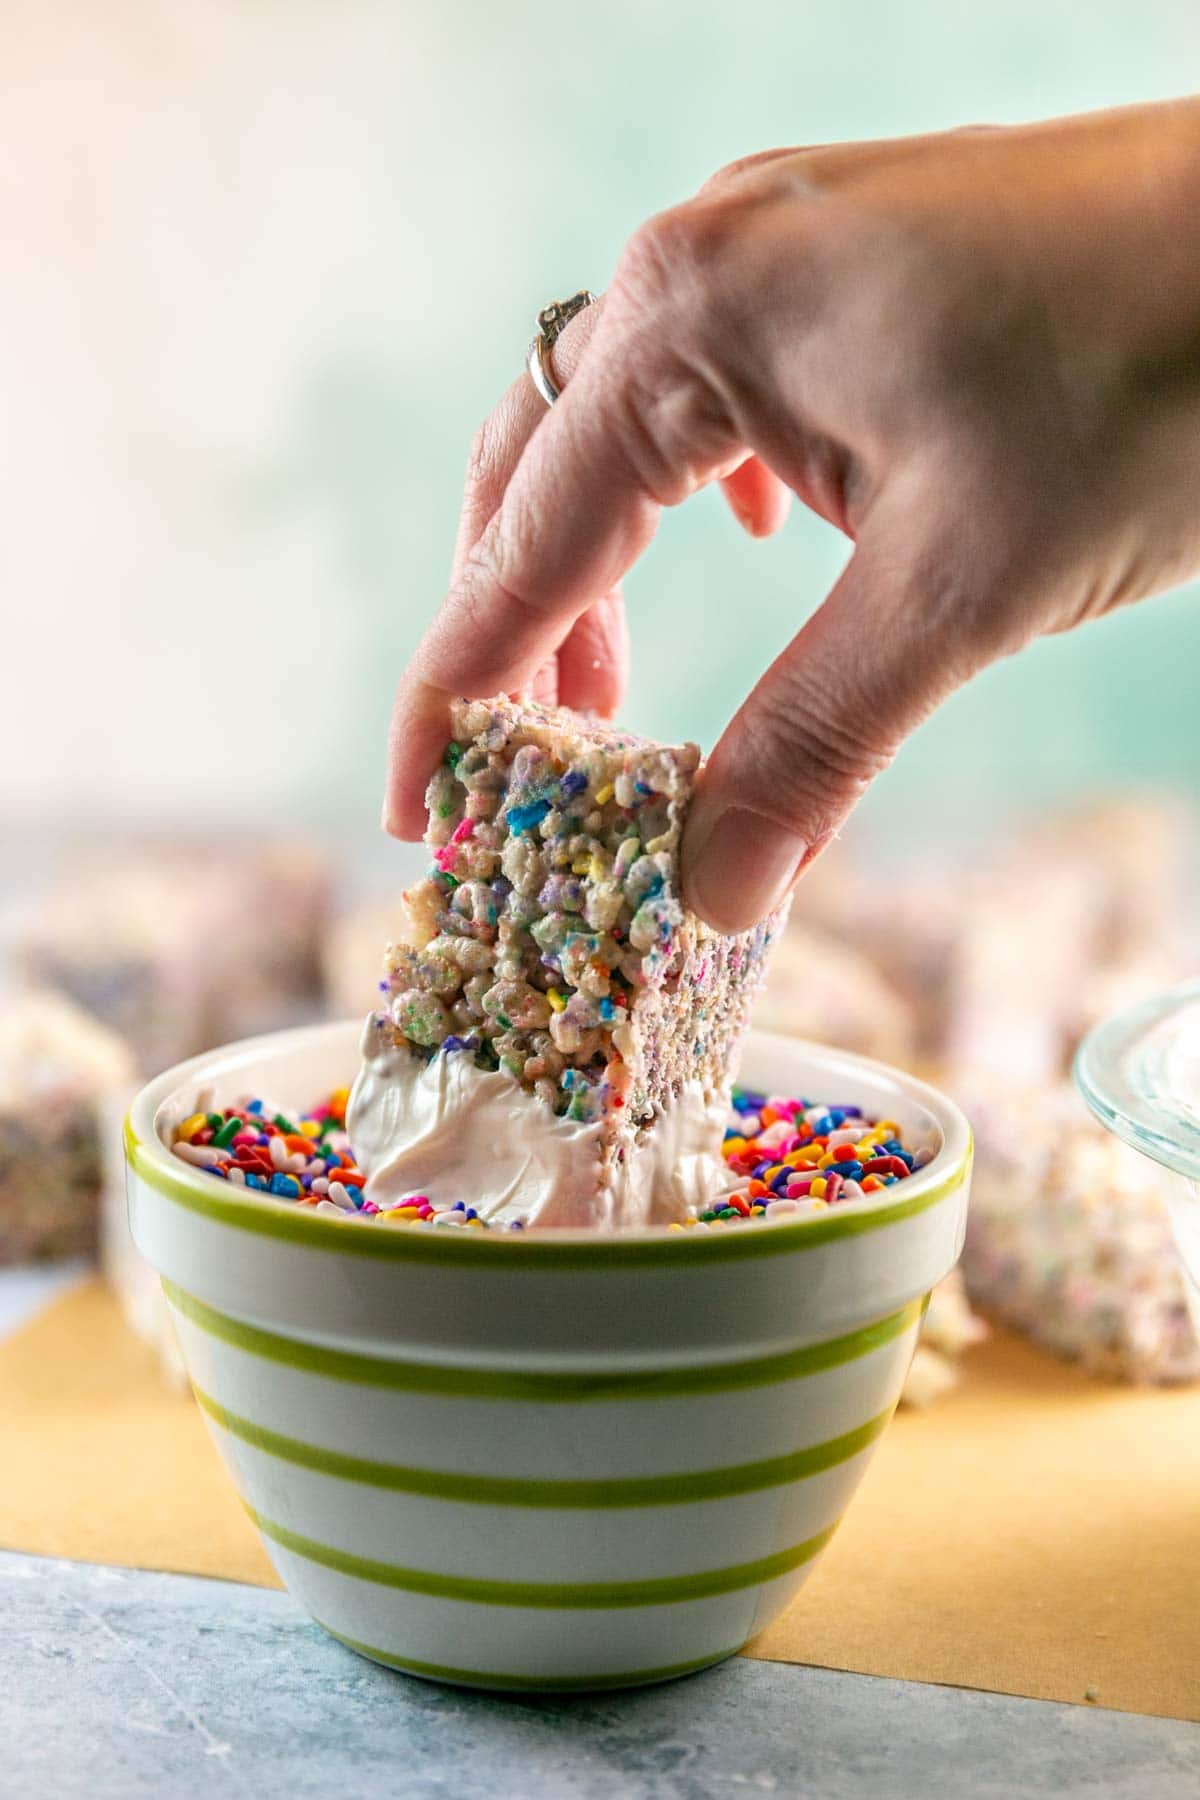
(182, 945)
(1068, 1240)
(266, 956)
(350, 951)
(1140, 849)
(905, 917)
(549, 943)
(1028, 937)
(1008, 950)
(949, 1329)
(818, 988)
(56, 1065)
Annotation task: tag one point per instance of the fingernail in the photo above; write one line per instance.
(741, 867)
(391, 817)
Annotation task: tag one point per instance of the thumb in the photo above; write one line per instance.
(826, 718)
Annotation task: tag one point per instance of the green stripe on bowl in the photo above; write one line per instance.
(541, 1684)
(686, 1488)
(500, 1384)
(281, 1220)
(556, 1596)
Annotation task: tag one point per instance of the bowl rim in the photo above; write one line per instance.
(150, 1159)
(1118, 1071)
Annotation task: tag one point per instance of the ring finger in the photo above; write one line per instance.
(592, 671)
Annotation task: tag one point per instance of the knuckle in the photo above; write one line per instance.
(696, 273)
(490, 576)
(668, 314)
(647, 273)
(731, 172)
(956, 601)
(839, 752)
(720, 179)
(676, 258)
(820, 762)
(672, 428)
(466, 648)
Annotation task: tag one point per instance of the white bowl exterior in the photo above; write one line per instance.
(542, 1475)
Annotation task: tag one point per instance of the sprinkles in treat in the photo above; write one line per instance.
(549, 941)
(548, 975)
(787, 1159)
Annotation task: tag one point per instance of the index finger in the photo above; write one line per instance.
(635, 431)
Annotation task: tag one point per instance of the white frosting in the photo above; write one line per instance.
(458, 1133)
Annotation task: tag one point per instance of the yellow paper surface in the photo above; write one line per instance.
(103, 1461)
(1034, 1532)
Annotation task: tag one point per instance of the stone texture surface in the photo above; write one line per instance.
(117, 1684)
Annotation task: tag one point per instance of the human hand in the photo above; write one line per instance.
(977, 353)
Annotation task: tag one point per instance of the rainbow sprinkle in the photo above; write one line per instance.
(791, 1158)
(786, 1159)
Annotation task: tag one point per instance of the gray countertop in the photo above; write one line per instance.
(117, 1684)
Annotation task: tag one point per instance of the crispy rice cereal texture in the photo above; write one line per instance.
(57, 1068)
(549, 938)
(1068, 1240)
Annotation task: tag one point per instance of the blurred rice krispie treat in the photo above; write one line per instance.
(56, 1066)
(1068, 1240)
(1023, 955)
(549, 947)
(904, 918)
(181, 946)
(1112, 986)
(1141, 851)
(278, 896)
(1007, 952)
(120, 942)
(950, 1328)
(988, 954)
(1113, 885)
(350, 952)
(818, 988)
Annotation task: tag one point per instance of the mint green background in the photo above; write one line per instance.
(634, 107)
(276, 264)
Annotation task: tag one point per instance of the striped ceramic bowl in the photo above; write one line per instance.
(553, 1460)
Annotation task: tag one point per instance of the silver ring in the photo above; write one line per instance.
(552, 321)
